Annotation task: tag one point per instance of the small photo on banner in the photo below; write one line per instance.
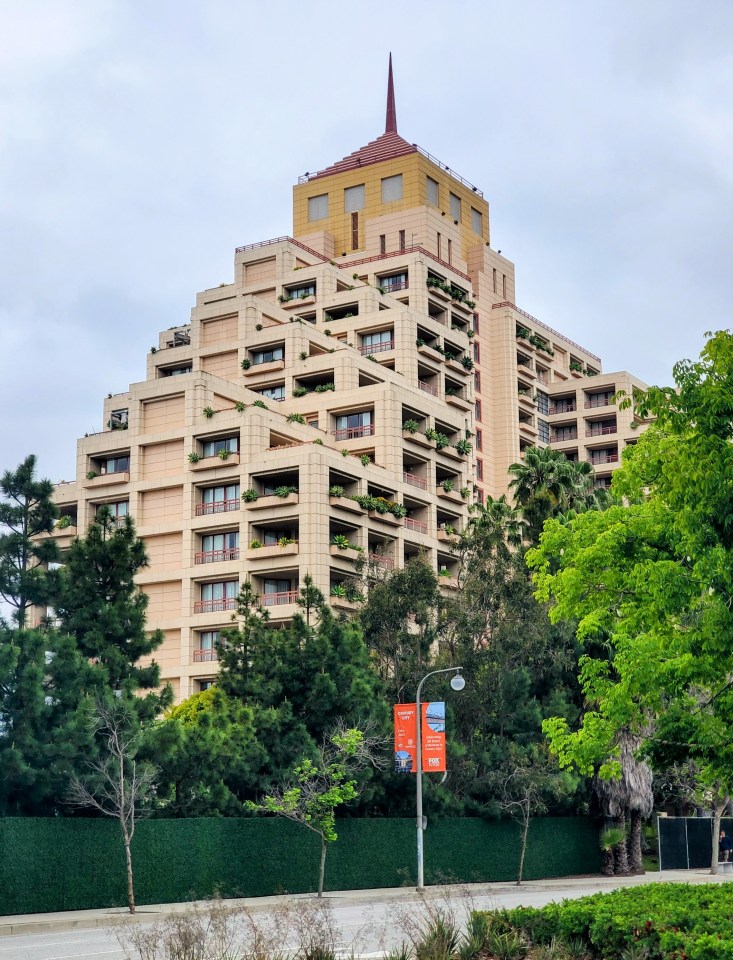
(405, 737)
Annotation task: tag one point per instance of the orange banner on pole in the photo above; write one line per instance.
(432, 735)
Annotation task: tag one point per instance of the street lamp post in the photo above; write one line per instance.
(457, 683)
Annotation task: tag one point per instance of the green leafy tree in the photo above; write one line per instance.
(27, 513)
(43, 730)
(319, 786)
(653, 578)
(98, 603)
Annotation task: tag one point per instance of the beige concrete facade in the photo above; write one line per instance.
(298, 376)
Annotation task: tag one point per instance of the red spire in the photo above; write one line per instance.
(391, 124)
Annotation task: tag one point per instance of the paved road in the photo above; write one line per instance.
(368, 922)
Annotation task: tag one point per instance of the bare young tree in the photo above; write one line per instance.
(116, 785)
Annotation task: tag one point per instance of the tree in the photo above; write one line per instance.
(541, 485)
(319, 787)
(98, 603)
(117, 785)
(653, 578)
(26, 515)
(311, 600)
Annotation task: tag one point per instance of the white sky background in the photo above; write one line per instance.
(141, 142)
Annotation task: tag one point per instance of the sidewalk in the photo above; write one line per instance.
(148, 913)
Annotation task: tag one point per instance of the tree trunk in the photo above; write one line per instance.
(636, 862)
(128, 861)
(608, 863)
(523, 850)
(322, 871)
(621, 857)
(719, 805)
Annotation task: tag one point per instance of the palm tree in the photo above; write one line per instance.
(541, 485)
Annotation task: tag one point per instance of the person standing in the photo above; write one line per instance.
(724, 846)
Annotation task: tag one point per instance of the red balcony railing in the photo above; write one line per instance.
(392, 287)
(428, 388)
(205, 656)
(415, 481)
(220, 506)
(381, 347)
(215, 606)
(601, 400)
(214, 556)
(351, 433)
(381, 561)
(417, 525)
(278, 599)
(561, 437)
(570, 407)
(607, 458)
(600, 431)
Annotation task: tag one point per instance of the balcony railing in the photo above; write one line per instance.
(569, 407)
(381, 561)
(415, 481)
(219, 506)
(607, 458)
(391, 287)
(215, 606)
(351, 433)
(543, 378)
(600, 400)
(278, 599)
(381, 347)
(600, 431)
(205, 656)
(561, 437)
(428, 388)
(417, 525)
(214, 556)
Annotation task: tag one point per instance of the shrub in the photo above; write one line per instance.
(261, 404)
(285, 491)
(224, 454)
(365, 459)
(325, 387)
(255, 544)
(246, 364)
(300, 391)
(447, 485)
(240, 406)
(295, 418)
(336, 491)
(250, 495)
(208, 412)
(410, 426)
(341, 541)
(194, 457)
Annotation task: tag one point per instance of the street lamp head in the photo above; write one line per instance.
(458, 682)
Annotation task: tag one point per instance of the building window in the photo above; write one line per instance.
(301, 292)
(543, 431)
(395, 281)
(116, 465)
(450, 251)
(494, 279)
(354, 199)
(116, 511)
(267, 356)
(503, 285)
(392, 188)
(382, 243)
(402, 239)
(354, 231)
(312, 422)
(218, 596)
(273, 393)
(432, 191)
(219, 546)
(277, 592)
(440, 246)
(174, 371)
(377, 342)
(318, 207)
(543, 402)
(352, 425)
(206, 650)
(205, 685)
(479, 439)
(477, 221)
(478, 410)
(455, 206)
(476, 353)
(476, 325)
(477, 380)
(212, 448)
(218, 499)
(479, 469)
(271, 538)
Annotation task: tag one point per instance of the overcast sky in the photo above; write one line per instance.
(141, 142)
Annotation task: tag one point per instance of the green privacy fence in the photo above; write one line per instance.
(74, 864)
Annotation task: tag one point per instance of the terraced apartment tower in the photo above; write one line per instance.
(353, 390)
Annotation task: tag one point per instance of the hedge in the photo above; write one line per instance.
(75, 863)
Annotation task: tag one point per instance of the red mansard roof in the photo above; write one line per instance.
(386, 147)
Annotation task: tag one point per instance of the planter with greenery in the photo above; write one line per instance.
(365, 459)
(261, 404)
(447, 486)
(464, 447)
(194, 457)
(336, 491)
(240, 406)
(250, 495)
(224, 454)
(208, 412)
(295, 418)
(255, 544)
(325, 387)
(246, 364)
(410, 426)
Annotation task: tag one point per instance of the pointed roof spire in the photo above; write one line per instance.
(391, 124)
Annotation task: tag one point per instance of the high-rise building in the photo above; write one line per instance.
(349, 394)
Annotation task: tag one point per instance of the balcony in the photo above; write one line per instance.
(346, 503)
(205, 656)
(601, 431)
(563, 407)
(562, 437)
(453, 496)
(279, 599)
(215, 606)
(272, 366)
(219, 506)
(345, 553)
(458, 367)
(427, 388)
(455, 400)
(430, 352)
(384, 562)
(275, 550)
(107, 479)
(208, 463)
(414, 481)
(605, 458)
(353, 433)
(394, 287)
(273, 500)
(599, 400)
(446, 536)
(448, 583)
(418, 526)
(216, 556)
(383, 347)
